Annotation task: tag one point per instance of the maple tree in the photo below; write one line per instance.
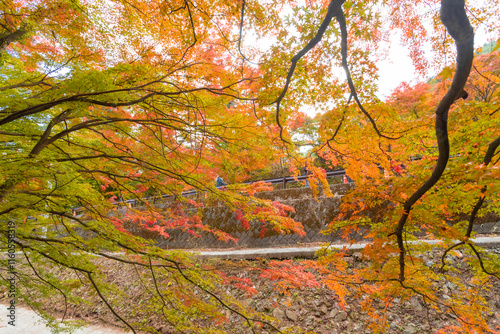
(118, 100)
(420, 162)
(105, 102)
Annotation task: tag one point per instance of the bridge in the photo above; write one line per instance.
(283, 181)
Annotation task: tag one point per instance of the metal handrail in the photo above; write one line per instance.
(280, 180)
(284, 180)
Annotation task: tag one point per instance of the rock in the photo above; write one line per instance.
(279, 314)
(349, 259)
(409, 329)
(267, 307)
(341, 316)
(415, 304)
(332, 314)
(309, 320)
(292, 315)
(357, 257)
(323, 309)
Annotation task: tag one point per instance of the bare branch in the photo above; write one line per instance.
(327, 143)
(447, 251)
(84, 97)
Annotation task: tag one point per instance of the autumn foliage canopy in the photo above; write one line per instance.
(104, 102)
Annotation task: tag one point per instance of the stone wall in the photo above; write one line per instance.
(313, 214)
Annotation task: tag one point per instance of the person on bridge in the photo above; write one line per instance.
(306, 172)
(219, 182)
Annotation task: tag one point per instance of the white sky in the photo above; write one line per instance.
(396, 69)
(399, 68)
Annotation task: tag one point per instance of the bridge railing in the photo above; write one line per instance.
(280, 180)
(284, 180)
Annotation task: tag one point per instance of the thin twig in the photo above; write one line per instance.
(339, 15)
(89, 275)
(243, 5)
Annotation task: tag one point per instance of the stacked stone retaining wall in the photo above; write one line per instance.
(314, 214)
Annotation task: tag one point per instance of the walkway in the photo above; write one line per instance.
(28, 322)
(309, 252)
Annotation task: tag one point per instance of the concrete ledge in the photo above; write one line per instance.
(310, 252)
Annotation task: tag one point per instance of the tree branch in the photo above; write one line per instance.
(243, 5)
(455, 20)
(96, 288)
(25, 84)
(339, 15)
(332, 9)
(6, 39)
(44, 140)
